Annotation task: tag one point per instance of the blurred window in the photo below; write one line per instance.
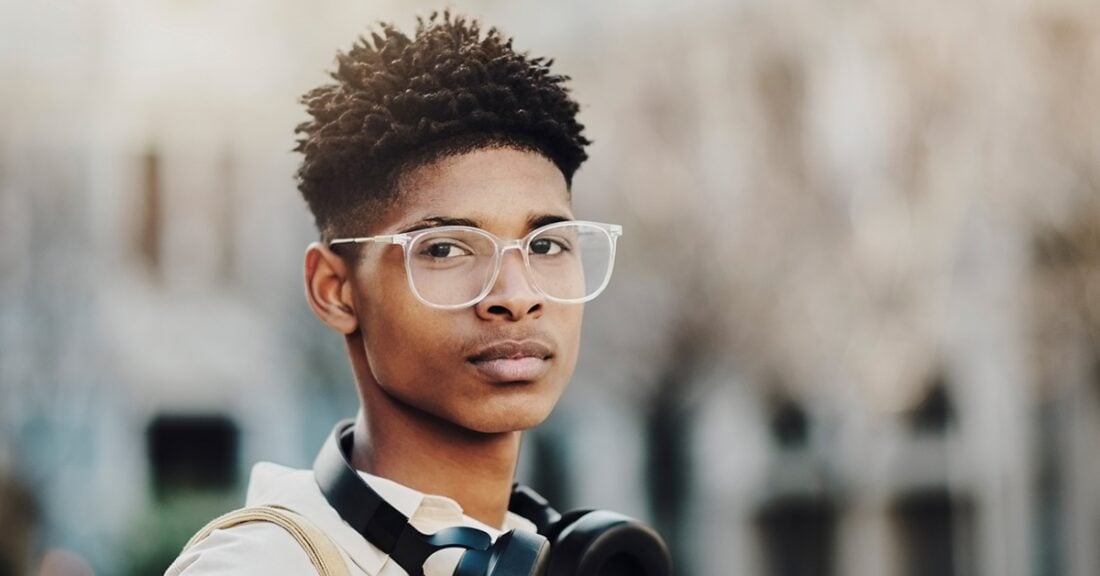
(149, 229)
(936, 413)
(227, 217)
(935, 534)
(192, 453)
(790, 426)
(798, 536)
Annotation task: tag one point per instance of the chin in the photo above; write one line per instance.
(505, 418)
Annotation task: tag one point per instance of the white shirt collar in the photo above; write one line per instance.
(297, 490)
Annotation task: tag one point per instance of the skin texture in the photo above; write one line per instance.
(431, 419)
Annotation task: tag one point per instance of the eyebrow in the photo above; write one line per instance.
(437, 221)
(533, 222)
(542, 220)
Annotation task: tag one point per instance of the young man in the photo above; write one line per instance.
(438, 168)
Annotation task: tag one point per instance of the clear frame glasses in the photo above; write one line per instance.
(452, 267)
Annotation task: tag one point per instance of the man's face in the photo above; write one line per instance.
(501, 364)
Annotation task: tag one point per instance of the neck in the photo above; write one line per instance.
(431, 455)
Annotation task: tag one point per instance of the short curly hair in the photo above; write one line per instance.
(401, 102)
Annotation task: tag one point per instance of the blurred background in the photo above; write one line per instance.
(853, 328)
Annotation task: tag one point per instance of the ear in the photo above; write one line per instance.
(328, 289)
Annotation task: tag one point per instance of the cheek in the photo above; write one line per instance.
(568, 335)
(399, 333)
(571, 339)
(402, 347)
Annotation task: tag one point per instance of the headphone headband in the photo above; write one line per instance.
(374, 518)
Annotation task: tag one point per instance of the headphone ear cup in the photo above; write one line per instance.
(519, 553)
(602, 543)
(554, 530)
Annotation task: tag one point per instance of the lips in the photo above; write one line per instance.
(512, 361)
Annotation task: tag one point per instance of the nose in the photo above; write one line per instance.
(512, 296)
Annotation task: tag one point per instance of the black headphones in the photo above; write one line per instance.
(579, 543)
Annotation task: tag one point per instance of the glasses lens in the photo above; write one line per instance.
(451, 267)
(571, 261)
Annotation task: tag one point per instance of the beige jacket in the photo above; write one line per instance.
(266, 549)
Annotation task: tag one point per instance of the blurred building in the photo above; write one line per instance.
(866, 241)
(154, 343)
(853, 327)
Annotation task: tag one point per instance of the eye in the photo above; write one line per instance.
(547, 247)
(443, 249)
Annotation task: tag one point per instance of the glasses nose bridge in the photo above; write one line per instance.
(502, 250)
(503, 246)
(506, 245)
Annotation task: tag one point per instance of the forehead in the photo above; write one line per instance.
(499, 189)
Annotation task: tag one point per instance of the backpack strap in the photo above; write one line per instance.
(322, 552)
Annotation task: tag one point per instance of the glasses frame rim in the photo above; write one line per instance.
(406, 240)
